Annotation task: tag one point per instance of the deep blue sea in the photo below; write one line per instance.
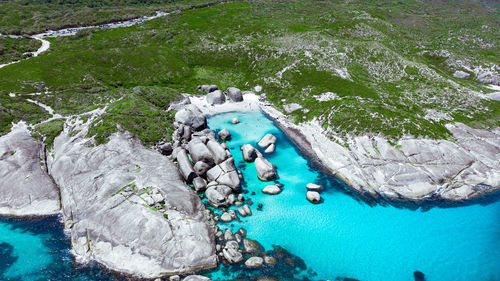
(342, 237)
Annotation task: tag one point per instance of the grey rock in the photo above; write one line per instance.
(201, 168)
(225, 146)
(254, 262)
(217, 195)
(251, 246)
(208, 88)
(199, 184)
(250, 153)
(180, 104)
(225, 217)
(235, 121)
(461, 74)
(166, 149)
(267, 140)
(127, 237)
(243, 232)
(228, 235)
(200, 152)
(234, 94)
(224, 134)
(242, 212)
(218, 152)
(270, 148)
(215, 97)
(237, 237)
(230, 179)
(271, 189)
(313, 197)
(191, 116)
(314, 187)
(185, 165)
(231, 252)
(241, 197)
(265, 170)
(25, 187)
(247, 210)
(196, 278)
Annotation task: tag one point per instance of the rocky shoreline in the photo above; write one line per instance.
(138, 212)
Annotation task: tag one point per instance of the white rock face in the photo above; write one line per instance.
(116, 232)
(25, 187)
(414, 169)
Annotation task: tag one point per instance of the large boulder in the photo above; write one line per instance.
(314, 187)
(217, 195)
(251, 246)
(208, 88)
(200, 152)
(271, 189)
(265, 170)
(224, 134)
(216, 97)
(313, 197)
(101, 190)
(250, 153)
(218, 152)
(254, 262)
(201, 168)
(267, 140)
(199, 184)
(196, 278)
(225, 173)
(25, 187)
(191, 116)
(234, 94)
(185, 165)
(231, 252)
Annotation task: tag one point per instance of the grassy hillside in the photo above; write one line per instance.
(359, 67)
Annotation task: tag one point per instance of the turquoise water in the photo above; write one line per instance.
(340, 237)
(346, 237)
(38, 249)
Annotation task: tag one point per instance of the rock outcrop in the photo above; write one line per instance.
(25, 187)
(191, 116)
(103, 190)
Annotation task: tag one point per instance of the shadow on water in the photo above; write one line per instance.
(334, 184)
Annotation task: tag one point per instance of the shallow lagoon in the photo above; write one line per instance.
(340, 237)
(348, 238)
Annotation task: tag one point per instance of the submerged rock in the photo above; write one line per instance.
(25, 187)
(107, 227)
(254, 262)
(267, 140)
(224, 134)
(265, 170)
(216, 97)
(191, 116)
(418, 276)
(234, 94)
(271, 189)
(251, 246)
(313, 197)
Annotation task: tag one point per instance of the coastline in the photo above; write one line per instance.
(413, 173)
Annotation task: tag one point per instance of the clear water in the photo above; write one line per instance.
(348, 238)
(38, 249)
(340, 237)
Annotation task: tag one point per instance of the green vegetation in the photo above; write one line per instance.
(357, 67)
(49, 131)
(13, 49)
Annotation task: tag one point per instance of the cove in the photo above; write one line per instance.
(345, 237)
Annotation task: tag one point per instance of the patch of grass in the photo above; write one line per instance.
(49, 131)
